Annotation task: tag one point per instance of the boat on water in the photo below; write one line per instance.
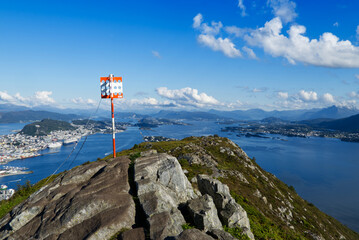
(55, 145)
(71, 140)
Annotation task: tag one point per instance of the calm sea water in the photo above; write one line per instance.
(323, 171)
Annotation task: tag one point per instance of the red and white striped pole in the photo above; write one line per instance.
(113, 119)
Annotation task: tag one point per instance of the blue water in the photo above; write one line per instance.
(323, 171)
(7, 128)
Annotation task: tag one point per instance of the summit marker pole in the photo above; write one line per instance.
(111, 87)
(113, 119)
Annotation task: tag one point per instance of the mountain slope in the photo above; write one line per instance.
(30, 115)
(164, 199)
(332, 112)
(349, 124)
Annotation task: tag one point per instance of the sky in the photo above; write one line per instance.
(175, 55)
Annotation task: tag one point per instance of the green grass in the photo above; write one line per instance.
(187, 226)
(236, 232)
(22, 193)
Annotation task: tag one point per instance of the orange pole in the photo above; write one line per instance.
(113, 121)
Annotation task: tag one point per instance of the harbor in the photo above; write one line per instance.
(20, 146)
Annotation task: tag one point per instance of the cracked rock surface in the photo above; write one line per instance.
(90, 201)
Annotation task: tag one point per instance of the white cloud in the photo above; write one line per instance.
(187, 97)
(197, 20)
(242, 7)
(39, 98)
(308, 95)
(5, 97)
(357, 32)
(84, 102)
(328, 98)
(328, 51)
(284, 9)
(43, 98)
(336, 24)
(207, 37)
(156, 54)
(357, 76)
(219, 44)
(249, 52)
(283, 95)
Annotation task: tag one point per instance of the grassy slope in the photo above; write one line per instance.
(265, 223)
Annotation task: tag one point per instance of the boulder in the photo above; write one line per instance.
(193, 234)
(230, 213)
(161, 188)
(90, 201)
(132, 234)
(203, 213)
(220, 234)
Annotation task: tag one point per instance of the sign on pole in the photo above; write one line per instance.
(111, 87)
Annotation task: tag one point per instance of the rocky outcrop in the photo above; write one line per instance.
(204, 213)
(90, 201)
(230, 213)
(220, 235)
(161, 188)
(193, 234)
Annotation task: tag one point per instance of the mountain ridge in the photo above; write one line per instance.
(274, 210)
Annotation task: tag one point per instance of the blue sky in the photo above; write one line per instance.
(223, 54)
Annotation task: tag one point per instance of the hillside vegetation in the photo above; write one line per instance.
(46, 126)
(136, 188)
(275, 210)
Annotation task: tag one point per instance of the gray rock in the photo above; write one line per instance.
(164, 224)
(161, 188)
(94, 205)
(193, 234)
(133, 234)
(204, 213)
(221, 234)
(230, 213)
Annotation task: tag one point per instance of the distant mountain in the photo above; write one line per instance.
(187, 115)
(349, 124)
(30, 115)
(332, 112)
(11, 107)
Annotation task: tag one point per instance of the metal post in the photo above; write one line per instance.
(113, 118)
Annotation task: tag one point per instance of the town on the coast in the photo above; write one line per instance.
(52, 134)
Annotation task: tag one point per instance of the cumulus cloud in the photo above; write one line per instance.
(308, 99)
(284, 9)
(357, 32)
(5, 97)
(187, 97)
(328, 98)
(43, 97)
(156, 54)
(242, 7)
(308, 95)
(283, 95)
(208, 37)
(328, 51)
(39, 98)
(336, 24)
